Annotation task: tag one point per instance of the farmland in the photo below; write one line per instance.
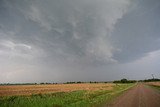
(155, 85)
(60, 95)
(52, 88)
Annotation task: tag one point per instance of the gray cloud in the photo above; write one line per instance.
(140, 32)
(72, 40)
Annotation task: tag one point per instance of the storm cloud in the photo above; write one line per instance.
(78, 40)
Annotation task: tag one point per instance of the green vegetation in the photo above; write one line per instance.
(124, 81)
(65, 99)
(79, 82)
(151, 80)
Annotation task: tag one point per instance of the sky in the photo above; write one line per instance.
(79, 40)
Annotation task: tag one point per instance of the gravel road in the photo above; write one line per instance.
(139, 96)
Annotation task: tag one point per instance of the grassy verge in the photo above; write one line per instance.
(118, 90)
(155, 87)
(65, 99)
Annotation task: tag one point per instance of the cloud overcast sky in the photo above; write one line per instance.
(79, 40)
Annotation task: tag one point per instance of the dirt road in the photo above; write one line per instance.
(139, 96)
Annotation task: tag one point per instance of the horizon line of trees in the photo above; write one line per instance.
(79, 82)
(125, 81)
(43, 83)
(150, 80)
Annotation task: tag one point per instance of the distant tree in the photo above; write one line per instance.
(124, 80)
(152, 80)
(79, 82)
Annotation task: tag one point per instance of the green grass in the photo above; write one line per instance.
(65, 99)
(155, 87)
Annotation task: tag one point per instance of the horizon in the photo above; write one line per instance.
(79, 40)
(64, 82)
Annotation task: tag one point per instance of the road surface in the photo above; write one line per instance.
(139, 96)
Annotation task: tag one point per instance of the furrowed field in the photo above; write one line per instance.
(60, 95)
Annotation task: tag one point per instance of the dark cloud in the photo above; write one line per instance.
(59, 40)
(137, 33)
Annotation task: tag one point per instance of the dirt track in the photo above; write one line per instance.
(139, 96)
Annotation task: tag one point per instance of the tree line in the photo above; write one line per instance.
(124, 81)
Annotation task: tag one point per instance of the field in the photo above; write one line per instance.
(60, 95)
(53, 88)
(155, 85)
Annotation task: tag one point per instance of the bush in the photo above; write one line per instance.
(125, 81)
(152, 80)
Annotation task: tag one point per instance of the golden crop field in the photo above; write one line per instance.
(154, 83)
(11, 90)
